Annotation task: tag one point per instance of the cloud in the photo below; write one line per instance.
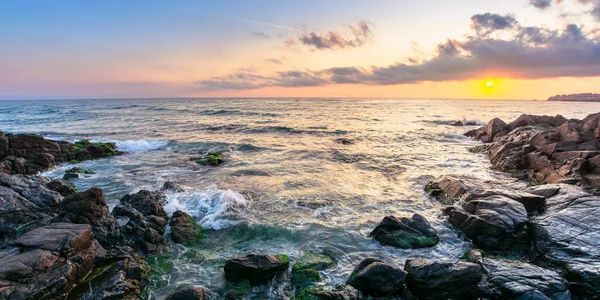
(529, 52)
(356, 37)
(262, 35)
(274, 61)
(541, 4)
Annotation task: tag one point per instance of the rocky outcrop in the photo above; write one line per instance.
(184, 228)
(170, 186)
(374, 277)
(189, 292)
(47, 262)
(444, 280)
(406, 233)
(256, 268)
(338, 292)
(31, 153)
(89, 207)
(76, 173)
(143, 221)
(546, 149)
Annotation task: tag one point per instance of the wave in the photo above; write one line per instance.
(272, 129)
(136, 146)
(214, 208)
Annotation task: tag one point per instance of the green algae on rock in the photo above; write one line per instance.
(406, 233)
(212, 159)
(305, 270)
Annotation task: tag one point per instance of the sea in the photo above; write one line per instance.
(301, 175)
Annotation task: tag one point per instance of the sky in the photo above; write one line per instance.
(463, 49)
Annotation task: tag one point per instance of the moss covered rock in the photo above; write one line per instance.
(406, 233)
(212, 159)
(305, 270)
(256, 268)
(184, 229)
(338, 292)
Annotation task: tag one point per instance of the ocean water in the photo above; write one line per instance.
(280, 154)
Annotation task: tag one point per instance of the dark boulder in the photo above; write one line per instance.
(189, 292)
(518, 280)
(76, 173)
(170, 186)
(377, 278)
(64, 238)
(444, 280)
(89, 207)
(256, 268)
(492, 222)
(184, 228)
(406, 233)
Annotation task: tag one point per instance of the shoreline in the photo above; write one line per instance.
(117, 254)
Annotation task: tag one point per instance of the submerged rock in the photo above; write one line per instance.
(305, 270)
(190, 292)
(377, 278)
(256, 268)
(184, 229)
(76, 173)
(444, 280)
(338, 292)
(170, 186)
(211, 159)
(406, 233)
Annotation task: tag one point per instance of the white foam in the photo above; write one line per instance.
(214, 208)
(135, 146)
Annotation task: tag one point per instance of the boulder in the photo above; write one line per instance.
(212, 159)
(184, 228)
(376, 278)
(76, 173)
(89, 207)
(256, 268)
(492, 222)
(170, 186)
(189, 292)
(510, 279)
(531, 120)
(444, 280)
(64, 238)
(406, 233)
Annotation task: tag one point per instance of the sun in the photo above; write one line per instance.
(489, 84)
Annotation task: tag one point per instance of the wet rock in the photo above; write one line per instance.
(565, 235)
(62, 187)
(64, 238)
(305, 270)
(338, 292)
(30, 153)
(184, 228)
(108, 281)
(458, 123)
(212, 159)
(518, 280)
(492, 222)
(90, 207)
(444, 280)
(76, 173)
(406, 233)
(256, 268)
(377, 278)
(189, 293)
(344, 141)
(170, 186)
(447, 190)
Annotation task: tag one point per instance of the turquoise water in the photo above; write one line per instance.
(281, 153)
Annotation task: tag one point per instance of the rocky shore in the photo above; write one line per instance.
(534, 237)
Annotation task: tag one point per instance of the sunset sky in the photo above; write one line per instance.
(524, 49)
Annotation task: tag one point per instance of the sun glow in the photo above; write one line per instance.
(490, 84)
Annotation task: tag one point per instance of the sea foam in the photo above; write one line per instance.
(213, 208)
(135, 146)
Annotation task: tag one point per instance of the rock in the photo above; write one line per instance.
(525, 120)
(517, 280)
(64, 238)
(344, 141)
(76, 172)
(211, 159)
(189, 293)
(62, 187)
(565, 235)
(338, 292)
(109, 281)
(89, 207)
(313, 203)
(447, 190)
(256, 268)
(377, 278)
(149, 203)
(444, 280)
(184, 228)
(170, 186)
(406, 233)
(305, 270)
(458, 123)
(492, 222)
(30, 153)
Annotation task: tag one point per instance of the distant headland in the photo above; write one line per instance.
(587, 97)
